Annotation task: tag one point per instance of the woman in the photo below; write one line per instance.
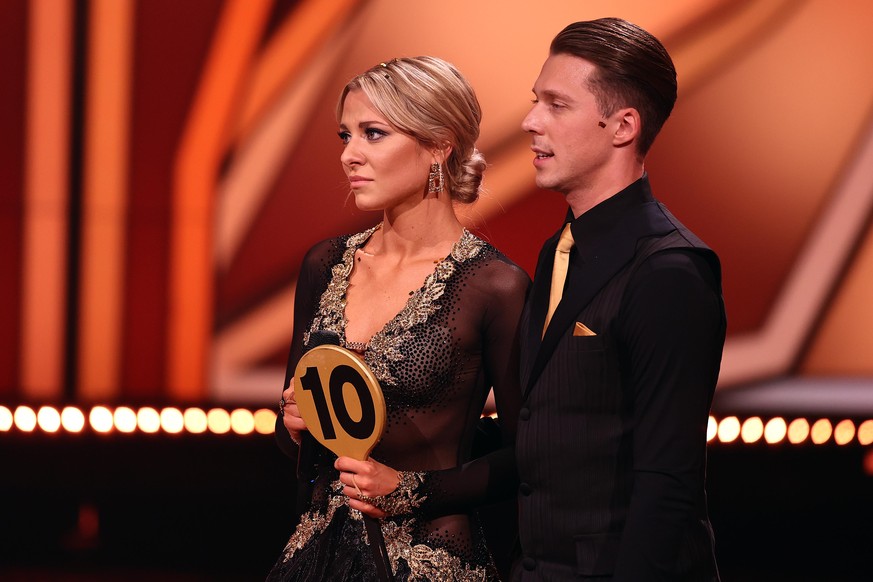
(433, 310)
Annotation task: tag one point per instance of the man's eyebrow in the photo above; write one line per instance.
(553, 94)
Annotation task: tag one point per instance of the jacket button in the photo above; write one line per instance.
(525, 489)
(529, 563)
(524, 413)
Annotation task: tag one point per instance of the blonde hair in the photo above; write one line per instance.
(429, 100)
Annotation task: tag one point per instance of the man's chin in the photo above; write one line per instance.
(544, 182)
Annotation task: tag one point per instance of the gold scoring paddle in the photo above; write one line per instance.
(342, 404)
(340, 400)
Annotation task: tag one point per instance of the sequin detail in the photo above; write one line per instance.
(384, 348)
(425, 562)
(404, 499)
(314, 523)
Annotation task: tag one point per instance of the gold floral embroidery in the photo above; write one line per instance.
(313, 523)
(384, 348)
(332, 305)
(425, 562)
(404, 499)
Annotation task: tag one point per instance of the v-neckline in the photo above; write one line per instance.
(413, 296)
(385, 347)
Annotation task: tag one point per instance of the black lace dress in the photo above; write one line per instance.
(436, 361)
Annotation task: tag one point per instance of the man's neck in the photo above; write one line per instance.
(584, 199)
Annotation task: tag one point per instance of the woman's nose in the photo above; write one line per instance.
(351, 155)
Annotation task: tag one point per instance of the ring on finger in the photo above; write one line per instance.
(358, 489)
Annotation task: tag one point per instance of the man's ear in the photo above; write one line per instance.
(629, 126)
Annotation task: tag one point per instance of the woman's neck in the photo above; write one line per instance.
(428, 229)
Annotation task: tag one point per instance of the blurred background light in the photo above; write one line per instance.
(72, 419)
(172, 420)
(775, 430)
(844, 432)
(821, 431)
(753, 430)
(218, 421)
(48, 419)
(101, 419)
(729, 429)
(798, 431)
(25, 418)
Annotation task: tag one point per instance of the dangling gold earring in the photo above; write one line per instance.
(435, 179)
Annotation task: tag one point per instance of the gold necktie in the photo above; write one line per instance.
(559, 272)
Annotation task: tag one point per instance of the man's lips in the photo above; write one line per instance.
(541, 155)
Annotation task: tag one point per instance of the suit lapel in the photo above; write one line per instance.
(594, 268)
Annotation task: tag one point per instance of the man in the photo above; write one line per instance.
(619, 379)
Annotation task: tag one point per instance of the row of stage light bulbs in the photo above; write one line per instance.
(124, 419)
(242, 421)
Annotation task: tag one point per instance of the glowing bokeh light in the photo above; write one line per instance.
(195, 421)
(729, 429)
(242, 421)
(48, 419)
(72, 419)
(865, 432)
(148, 420)
(265, 421)
(798, 431)
(25, 419)
(775, 430)
(868, 462)
(125, 419)
(218, 421)
(821, 431)
(172, 420)
(6, 419)
(844, 432)
(711, 428)
(101, 419)
(753, 430)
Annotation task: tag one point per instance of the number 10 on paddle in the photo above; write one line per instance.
(340, 400)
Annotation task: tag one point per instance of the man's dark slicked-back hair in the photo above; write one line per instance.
(633, 69)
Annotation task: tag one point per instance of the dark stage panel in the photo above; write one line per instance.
(219, 508)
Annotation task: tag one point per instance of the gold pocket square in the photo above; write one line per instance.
(582, 330)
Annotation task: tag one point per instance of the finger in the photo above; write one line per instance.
(293, 410)
(294, 423)
(350, 465)
(356, 486)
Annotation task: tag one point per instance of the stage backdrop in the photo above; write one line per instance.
(165, 165)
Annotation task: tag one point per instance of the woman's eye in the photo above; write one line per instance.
(344, 136)
(373, 134)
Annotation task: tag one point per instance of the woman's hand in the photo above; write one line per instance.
(370, 478)
(294, 423)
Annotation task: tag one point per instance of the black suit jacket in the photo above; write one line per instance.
(612, 433)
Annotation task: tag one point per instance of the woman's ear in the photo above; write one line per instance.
(441, 154)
